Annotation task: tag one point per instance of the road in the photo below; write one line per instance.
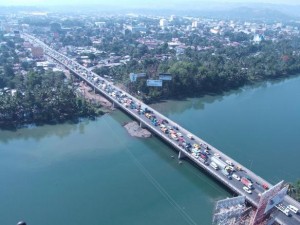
(140, 111)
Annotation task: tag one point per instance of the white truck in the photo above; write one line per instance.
(283, 209)
(218, 162)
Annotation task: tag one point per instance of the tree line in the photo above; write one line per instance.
(211, 71)
(43, 97)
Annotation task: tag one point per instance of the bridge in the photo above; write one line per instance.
(114, 94)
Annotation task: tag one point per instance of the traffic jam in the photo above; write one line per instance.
(185, 141)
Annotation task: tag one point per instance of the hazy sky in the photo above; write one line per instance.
(131, 2)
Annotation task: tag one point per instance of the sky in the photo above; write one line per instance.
(130, 2)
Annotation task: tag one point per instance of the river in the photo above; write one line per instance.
(94, 173)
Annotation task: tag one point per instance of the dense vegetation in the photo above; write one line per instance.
(294, 190)
(35, 96)
(42, 98)
(212, 71)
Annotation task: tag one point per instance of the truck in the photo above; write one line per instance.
(246, 182)
(219, 162)
(293, 209)
(283, 209)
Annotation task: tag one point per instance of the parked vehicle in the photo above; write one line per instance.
(174, 137)
(219, 162)
(214, 165)
(203, 156)
(190, 136)
(247, 189)
(235, 176)
(246, 182)
(202, 160)
(283, 209)
(229, 162)
(239, 168)
(293, 209)
(265, 186)
(217, 155)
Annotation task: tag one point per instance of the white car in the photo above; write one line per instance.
(247, 190)
(190, 136)
(217, 155)
(235, 176)
(179, 134)
(229, 162)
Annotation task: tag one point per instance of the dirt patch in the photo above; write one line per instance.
(135, 130)
(89, 93)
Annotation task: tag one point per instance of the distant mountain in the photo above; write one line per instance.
(249, 13)
(16, 9)
(210, 9)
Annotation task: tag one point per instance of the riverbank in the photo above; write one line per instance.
(95, 98)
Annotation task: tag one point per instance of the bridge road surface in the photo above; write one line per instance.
(233, 184)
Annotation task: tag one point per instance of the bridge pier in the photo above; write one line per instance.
(181, 155)
(141, 124)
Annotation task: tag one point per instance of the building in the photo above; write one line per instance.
(37, 52)
(163, 23)
(257, 38)
(137, 29)
(100, 24)
(195, 24)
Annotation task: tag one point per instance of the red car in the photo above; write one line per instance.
(265, 186)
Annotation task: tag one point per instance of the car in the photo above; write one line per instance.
(179, 134)
(235, 176)
(217, 155)
(248, 178)
(265, 186)
(190, 136)
(247, 190)
(229, 162)
(239, 168)
(196, 146)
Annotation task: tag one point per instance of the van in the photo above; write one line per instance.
(213, 165)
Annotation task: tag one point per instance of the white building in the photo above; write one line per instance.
(195, 24)
(163, 23)
(257, 38)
